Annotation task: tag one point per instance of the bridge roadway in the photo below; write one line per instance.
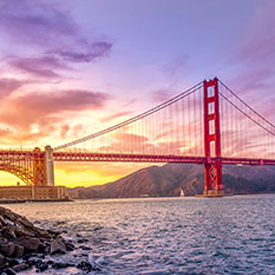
(14, 156)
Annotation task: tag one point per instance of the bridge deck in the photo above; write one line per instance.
(108, 157)
(60, 156)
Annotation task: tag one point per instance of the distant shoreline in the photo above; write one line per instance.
(172, 197)
(3, 201)
(17, 201)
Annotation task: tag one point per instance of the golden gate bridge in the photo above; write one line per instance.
(206, 124)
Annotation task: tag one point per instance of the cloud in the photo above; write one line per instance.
(51, 33)
(56, 102)
(39, 66)
(37, 23)
(64, 130)
(88, 54)
(8, 86)
(77, 129)
(47, 111)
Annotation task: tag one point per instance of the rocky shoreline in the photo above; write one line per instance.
(24, 246)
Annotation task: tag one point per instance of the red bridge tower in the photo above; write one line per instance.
(212, 140)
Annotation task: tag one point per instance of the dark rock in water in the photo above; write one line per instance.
(82, 241)
(41, 266)
(69, 246)
(84, 266)
(50, 262)
(58, 247)
(61, 265)
(83, 247)
(10, 271)
(20, 239)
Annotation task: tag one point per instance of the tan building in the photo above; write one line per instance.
(32, 192)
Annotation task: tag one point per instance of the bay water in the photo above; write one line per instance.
(192, 236)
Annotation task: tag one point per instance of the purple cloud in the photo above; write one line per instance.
(89, 54)
(39, 66)
(9, 85)
(35, 23)
(54, 35)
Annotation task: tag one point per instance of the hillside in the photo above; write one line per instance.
(167, 180)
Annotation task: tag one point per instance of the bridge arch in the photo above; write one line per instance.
(23, 174)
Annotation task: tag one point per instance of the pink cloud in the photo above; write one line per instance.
(46, 109)
(64, 130)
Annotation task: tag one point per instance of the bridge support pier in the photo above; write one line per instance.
(39, 172)
(49, 166)
(213, 179)
(212, 140)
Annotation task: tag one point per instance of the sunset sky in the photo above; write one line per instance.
(70, 68)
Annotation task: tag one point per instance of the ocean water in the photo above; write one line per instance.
(232, 235)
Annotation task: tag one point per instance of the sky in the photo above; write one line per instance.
(70, 68)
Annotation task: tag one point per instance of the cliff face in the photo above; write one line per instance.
(167, 180)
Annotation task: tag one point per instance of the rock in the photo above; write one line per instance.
(10, 271)
(7, 249)
(19, 251)
(58, 247)
(19, 238)
(43, 233)
(30, 244)
(20, 267)
(50, 262)
(41, 266)
(23, 221)
(12, 261)
(61, 265)
(3, 240)
(2, 259)
(22, 233)
(84, 266)
(69, 246)
(84, 247)
(8, 232)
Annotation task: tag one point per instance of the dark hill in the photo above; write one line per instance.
(167, 180)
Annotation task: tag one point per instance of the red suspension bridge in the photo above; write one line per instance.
(207, 124)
